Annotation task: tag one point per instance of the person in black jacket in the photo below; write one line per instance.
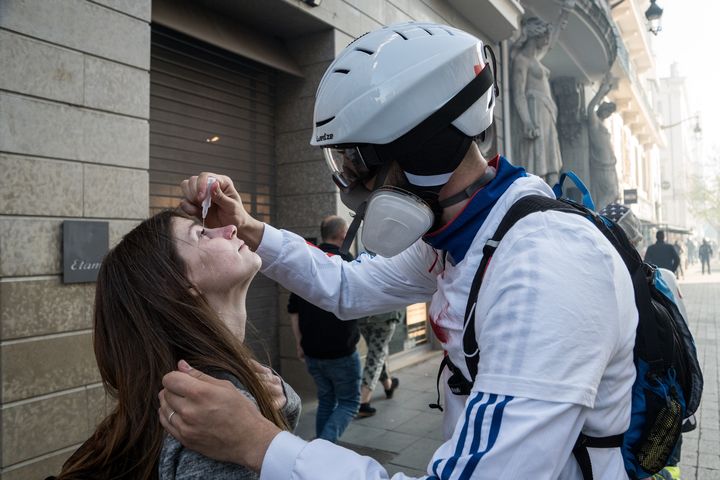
(327, 345)
(705, 254)
(662, 254)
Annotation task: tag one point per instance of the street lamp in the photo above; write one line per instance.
(697, 130)
(654, 16)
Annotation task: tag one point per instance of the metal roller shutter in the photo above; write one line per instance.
(211, 110)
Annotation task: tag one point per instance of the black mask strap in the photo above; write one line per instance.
(352, 229)
(360, 211)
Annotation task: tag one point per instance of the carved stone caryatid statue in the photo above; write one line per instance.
(603, 176)
(535, 131)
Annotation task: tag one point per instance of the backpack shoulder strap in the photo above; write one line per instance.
(519, 210)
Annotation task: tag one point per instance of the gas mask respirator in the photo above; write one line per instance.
(394, 217)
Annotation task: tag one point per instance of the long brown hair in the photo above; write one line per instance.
(146, 319)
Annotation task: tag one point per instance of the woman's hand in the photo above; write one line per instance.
(226, 207)
(273, 384)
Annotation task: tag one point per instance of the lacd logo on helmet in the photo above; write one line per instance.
(324, 137)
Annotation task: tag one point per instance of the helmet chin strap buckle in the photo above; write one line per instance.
(471, 189)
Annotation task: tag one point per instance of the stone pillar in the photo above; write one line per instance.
(74, 103)
(569, 96)
(305, 191)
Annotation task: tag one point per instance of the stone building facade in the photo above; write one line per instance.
(90, 129)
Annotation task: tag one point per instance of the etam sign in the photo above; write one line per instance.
(84, 246)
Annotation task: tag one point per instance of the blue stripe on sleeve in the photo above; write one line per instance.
(475, 434)
(463, 434)
(478, 424)
(494, 431)
(434, 469)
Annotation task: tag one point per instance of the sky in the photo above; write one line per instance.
(690, 36)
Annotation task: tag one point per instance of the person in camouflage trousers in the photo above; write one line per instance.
(377, 330)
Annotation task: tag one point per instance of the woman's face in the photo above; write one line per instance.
(216, 260)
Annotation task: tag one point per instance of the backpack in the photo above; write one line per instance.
(668, 384)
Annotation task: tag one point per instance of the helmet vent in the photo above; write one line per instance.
(403, 36)
(342, 70)
(324, 122)
(428, 31)
(365, 50)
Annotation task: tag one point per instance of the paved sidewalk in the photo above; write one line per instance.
(701, 448)
(404, 433)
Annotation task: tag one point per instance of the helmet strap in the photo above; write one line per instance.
(445, 115)
(470, 190)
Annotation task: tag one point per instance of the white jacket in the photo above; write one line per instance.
(555, 324)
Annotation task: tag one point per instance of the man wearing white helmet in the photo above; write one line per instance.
(555, 317)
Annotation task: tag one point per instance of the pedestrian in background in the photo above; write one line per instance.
(327, 345)
(691, 251)
(377, 330)
(662, 254)
(680, 251)
(705, 253)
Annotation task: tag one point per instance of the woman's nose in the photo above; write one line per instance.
(228, 232)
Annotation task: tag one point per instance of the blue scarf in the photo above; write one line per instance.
(456, 237)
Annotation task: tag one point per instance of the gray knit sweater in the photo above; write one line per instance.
(179, 463)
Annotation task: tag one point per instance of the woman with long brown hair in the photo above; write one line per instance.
(171, 290)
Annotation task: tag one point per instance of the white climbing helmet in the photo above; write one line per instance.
(388, 81)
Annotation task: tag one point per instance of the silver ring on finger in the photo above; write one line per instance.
(170, 417)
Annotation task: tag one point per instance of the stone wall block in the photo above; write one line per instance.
(71, 133)
(313, 48)
(115, 87)
(353, 21)
(303, 210)
(83, 26)
(47, 365)
(34, 186)
(34, 428)
(292, 147)
(118, 229)
(36, 127)
(40, 307)
(30, 247)
(114, 139)
(295, 115)
(40, 69)
(41, 468)
(374, 10)
(302, 178)
(115, 192)
(292, 88)
(287, 342)
(136, 8)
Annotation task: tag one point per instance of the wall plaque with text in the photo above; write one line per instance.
(84, 246)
